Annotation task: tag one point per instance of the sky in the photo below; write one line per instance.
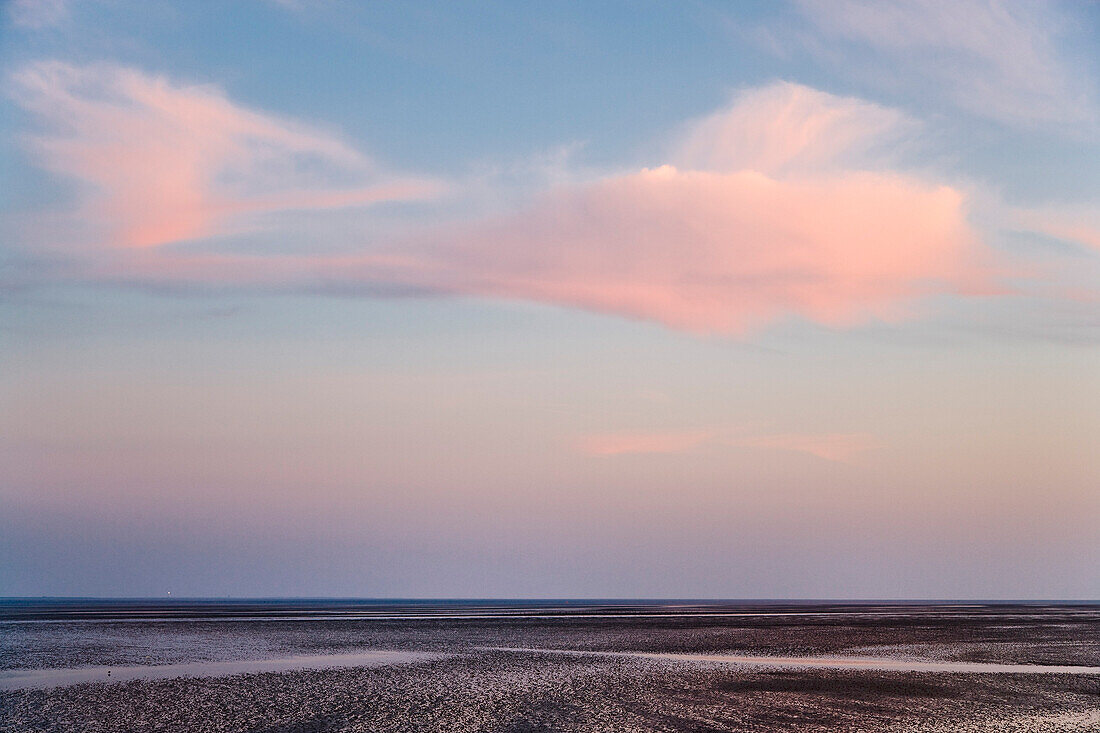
(653, 299)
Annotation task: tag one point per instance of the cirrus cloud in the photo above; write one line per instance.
(999, 59)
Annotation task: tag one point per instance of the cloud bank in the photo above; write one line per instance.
(767, 221)
(783, 205)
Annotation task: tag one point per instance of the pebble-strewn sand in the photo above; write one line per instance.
(478, 688)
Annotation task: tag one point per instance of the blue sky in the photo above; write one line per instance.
(646, 299)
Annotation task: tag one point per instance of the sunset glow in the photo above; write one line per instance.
(794, 299)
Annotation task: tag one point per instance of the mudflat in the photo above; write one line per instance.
(297, 666)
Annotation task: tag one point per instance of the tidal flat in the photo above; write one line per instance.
(303, 666)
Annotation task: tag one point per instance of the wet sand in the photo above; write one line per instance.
(60, 677)
(606, 667)
(861, 663)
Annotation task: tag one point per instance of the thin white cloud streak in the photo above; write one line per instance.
(166, 162)
(995, 59)
(836, 447)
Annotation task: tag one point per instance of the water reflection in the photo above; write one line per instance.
(25, 678)
(865, 663)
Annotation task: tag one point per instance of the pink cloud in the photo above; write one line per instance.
(721, 252)
(835, 447)
(167, 163)
(772, 219)
(773, 210)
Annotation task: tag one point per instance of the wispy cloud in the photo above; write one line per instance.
(994, 58)
(1075, 224)
(835, 447)
(617, 444)
(167, 162)
(37, 14)
(790, 128)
